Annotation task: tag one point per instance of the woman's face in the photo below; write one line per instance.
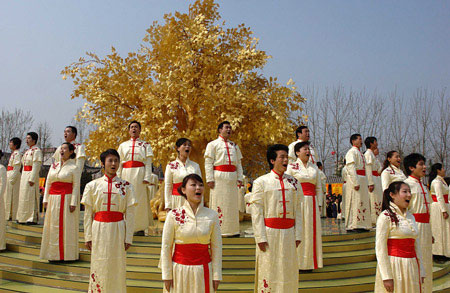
(65, 152)
(402, 198)
(395, 160)
(304, 153)
(441, 172)
(185, 148)
(193, 191)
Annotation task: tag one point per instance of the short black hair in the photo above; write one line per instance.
(71, 148)
(134, 121)
(221, 124)
(16, 141)
(1, 155)
(108, 152)
(300, 130)
(411, 160)
(369, 140)
(354, 137)
(319, 164)
(181, 141)
(73, 129)
(192, 176)
(299, 145)
(34, 136)
(272, 152)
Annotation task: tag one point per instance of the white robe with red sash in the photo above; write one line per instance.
(60, 234)
(419, 206)
(310, 250)
(223, 166)
(13, 185)
(3, 183)
(292, 156)
(373, 169)
(399, 256)
(440, 227)
(173, 177)
(276, 219)
(323, 181)
(185, 256)
(108, 222)
(80, 158)
(28, 208)
(391, 174)
(344, 175)
(136, 166)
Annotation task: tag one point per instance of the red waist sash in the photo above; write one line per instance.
(27, 168)
(9, 168)
(361, 172)
(401, 247)
(225, 168)
(422, 217)
(108, 217)
(375, 173)
(194, 254)
(279, 223)
(435, 198)
(133, 164)
(175, 188)
(61, 188)
(309, 189)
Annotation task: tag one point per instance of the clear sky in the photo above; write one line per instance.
(378, 45)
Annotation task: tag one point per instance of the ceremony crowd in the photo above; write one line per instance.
(410, 216)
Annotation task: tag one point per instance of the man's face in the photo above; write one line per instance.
(419, 170)
(374, 145)
(111, 165)
(358, 142)
(69, 136)
(134, 130)
(12, 146)
(225, 131)
(280, 164)
(304, 135)
(30, 141)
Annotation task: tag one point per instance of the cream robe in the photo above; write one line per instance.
(175, 173)
(108, 255)
(13, 185)
(376, 197)
(440, 227)
(323, 184)
(310, 250)
(242, 190)
(403, 271)
(391, 174)
(3, 183)
(80, 152)
(421, 203)
(60, 234)
(224, 196)
(358, 203)
(140, 151)
(276, 269)
(344, 175)
(152, 189)
(28, 208)
(182, 226)
(292, 156)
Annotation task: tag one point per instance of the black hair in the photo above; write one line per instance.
(16, 141)
(73, 129)
(369, 140)
(411, 160)
(300, 130)
(433, 172)
(386, 162)
(394, 188)
(272, 152)
(1, 155)
(181, 141)
(134, 121)
(192, 176)
(34, 136)
(319, 164)
(354, 137)
(108, 152)
(71, 148)
(299, 145)
(221, 124)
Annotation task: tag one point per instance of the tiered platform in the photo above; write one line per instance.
(349, 261)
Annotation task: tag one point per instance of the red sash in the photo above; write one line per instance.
(279, 223)
(309, 189)
(108, 217)
(225, 168)
(194, 254)
(375, 173)
(133, 164)
(422, 217)
(175, 188)
(401, 247)
(9, 168)
(61, 188)
(27, 168)
(435, 198)
(361, 172)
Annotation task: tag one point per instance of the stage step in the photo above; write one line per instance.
(15, 286)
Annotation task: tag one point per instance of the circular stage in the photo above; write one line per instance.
(349, 263)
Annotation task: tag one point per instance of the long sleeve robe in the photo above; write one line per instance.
(13, 185)
(28, 208)
(141, 152)
(292, 156)
(440, 227)
(405, 272)
(357, 214)
(108, 255)
(310, 250)
(323, 182)
(344, 203)
(391, 174)
(373, 167)
(174, 175)
(60, 234)
(80, 152)
(419, 206)
(182, 227)
(277, 198)
(3, 183)
(224, 196)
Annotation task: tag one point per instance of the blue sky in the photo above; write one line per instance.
(377, 45)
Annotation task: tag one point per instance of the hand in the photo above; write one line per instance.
(168, 284)
(432, 239)
(127, 245)
(371, 188)
(31, 183)
(72, 208)
(239, 183)
(216, 284)
(422, 279)
(357, 187)
(88, 245)
(145, 182)
(211, 184)
(389, 285)
(44, 205)
(445, 215)
(297, 243)
(263, 246)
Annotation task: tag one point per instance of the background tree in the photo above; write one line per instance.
(14, 123)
